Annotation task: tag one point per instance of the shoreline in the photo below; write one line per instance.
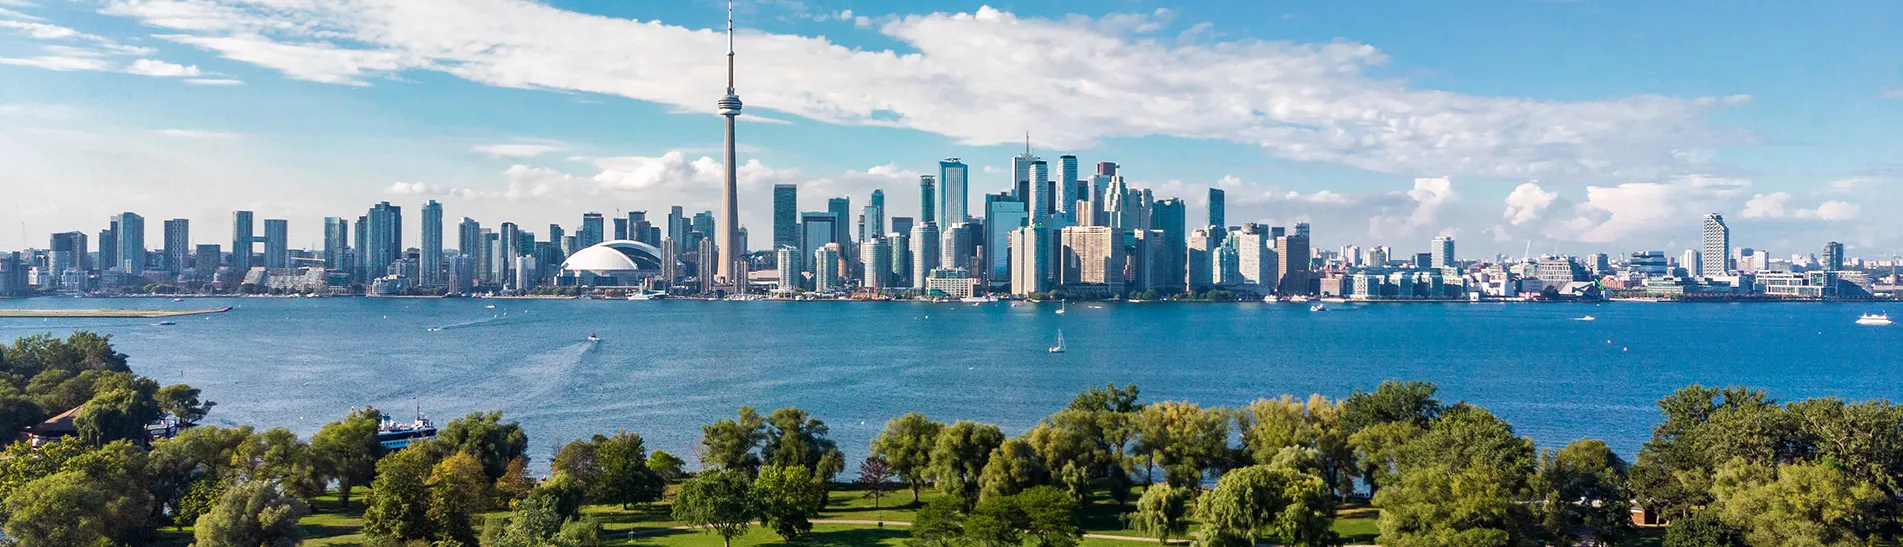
(104, 313)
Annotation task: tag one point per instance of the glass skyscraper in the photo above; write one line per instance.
(1717, 247)
(242, 234)
(131, 242)
(786, 216)
(429, 260)
(277, 252)
(954, 186)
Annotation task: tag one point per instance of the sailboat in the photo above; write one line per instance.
(1060, 308)
(1059, 348)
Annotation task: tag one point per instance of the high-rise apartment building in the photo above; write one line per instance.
(1254, 260)
(786, 216)
(1042, 202)
(874, 253)
(1442, 250)
(1069, 192)
(593, 230)
(384, 242)
(925, 255)
(788, 258)
(958, 246)
(1717, 247)
(68, 251)
(926, 203)
(954, 187)
(243, 234)
(826, 268)
(1091, 256)
(1833, 258)
(429, 262)
(178, 245)
(205, 260)
(1030, 260)
(1292, 260)
(131, 236)
(1217, 215)
(1199, 259)
(469, 237)
(277, 245)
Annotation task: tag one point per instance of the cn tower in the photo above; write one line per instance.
(729, 237)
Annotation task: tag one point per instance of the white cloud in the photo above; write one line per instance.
(1837, 210)
(514, 150)
(58, 63)
(193, 134)
(1617, 213)
(1895, 92)
(1528, 203)
(1770, 205)
(979, 77)
(153, 67)
(214, 81)
(1428, 195)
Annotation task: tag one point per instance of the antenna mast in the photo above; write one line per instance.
(729, 47)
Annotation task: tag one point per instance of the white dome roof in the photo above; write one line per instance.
(612, 256)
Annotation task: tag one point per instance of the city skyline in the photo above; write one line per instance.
(1595, 194)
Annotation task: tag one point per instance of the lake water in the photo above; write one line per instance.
(664, 368)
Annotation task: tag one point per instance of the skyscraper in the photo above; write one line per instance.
(873, 253)
(337, 241)
(727, 239)
(1004, 218)
(593, 230)
(819, 229)
(786, 215)
(954, 187)
(788, 258)
(1291, 259)
(508, 246)
(69, 252)
(926, 206)
(825, 268)
(205, 261)
(277, 253)
(1717, 247)
(1169, 217)
(429, 261)
(1253, 258)
(1021, 175)
(1217, 216)
(677, 228)
(841, 208)
(242, 235)
(131, 236)
(1833, 259)
(925, 253)
(1198, 260)
(1091, 255)
(178, 245)
(875, 215)
(1030, 260)
(1443, 251)
(384, 240)
(957, 245)
(1068, 194)
(469, 237)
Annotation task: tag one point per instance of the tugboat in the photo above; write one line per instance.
(1874, 320)
(395, 436)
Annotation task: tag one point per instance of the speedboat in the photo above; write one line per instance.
(1874, 319)
(1318, 307)
(491, 306)
(178, 300)
(1297, 299)
(165, 323)
(593, 338)
(1585, 318)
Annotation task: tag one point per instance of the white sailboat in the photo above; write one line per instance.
(1059, 348)
(1060, 308)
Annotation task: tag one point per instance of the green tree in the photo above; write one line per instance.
(346, 451)
(875, 477)
(788, 497)
(1160, 511)
(1703, 429)
(1793, 504)
(959, 457)
(907, 444)
(252, 514)
(1702, 529)
(1392, 401)
(1585, 485)
(1263, 501)
(721, 501)
(1050, 516)
(277, 455)
(941, 522)
(117, 414)
(795, 437)
(66, 508)
(577, 460)
(1012, 467)
(996, 522)
(731, 444)
(1466, 481)
(667, 466)
(1109, 398)
(537, 522)
(625, 477)
(199, 458)
(458, 494)
(1184, 438)
(485, 436)
(181, 401)
(515, 483)
(399, 497)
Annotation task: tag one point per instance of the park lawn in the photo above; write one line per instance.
(823, 534)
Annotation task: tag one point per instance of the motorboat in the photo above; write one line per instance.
(1298, 299)
(1318, 307)
(491, 306)
(1584, 318)
(165, 323)
(1059, 348)
(178, 300)
(1874, 320)
(978, 299)
(593, 338)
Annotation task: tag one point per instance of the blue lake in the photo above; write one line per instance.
(664, 368)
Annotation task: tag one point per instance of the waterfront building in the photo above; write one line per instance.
(205, 260)
(1598, 264)
(430, 258)
(1198, 260)
(817, 229)
(1442, 252)
(131, 242)
(1717, 247)
(826, 268)
(1217, 216)
(1170, 217)
(1649, 264)
(337, 241)
(1091, 257)
(68, 252)
(1003, 218)
(243, 235)
(1378, 257)
(277, 252)
(1292, 260)
(1223, 265)
(954, 187)
(1030, 260)
(788, 259)
(958, 246)
(872, 221)
(872, 253)
(1255, 262)
(900, 268)
(925, 252)
(1558, 272)
(178, 245)
(1833, 258)
(950, 283)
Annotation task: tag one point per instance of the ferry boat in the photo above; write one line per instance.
(644, 295)
(395, 435)
(978, 299)
(1874, 319)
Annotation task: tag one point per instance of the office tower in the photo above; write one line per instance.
(677, 227)
(1068, 192)
(1170, 217)
(743, 242)
(788, 258)
(468, 237)
(954, 187)
(901, 267)
(1091, 255)
(489, 256)
(524, 267)
(639, 229)
(1004, 218)
(901, 225)
(1144, 253)
(337, 241)
(1833, 259)
(786, 215)
(1107, 168)
(1292, 257)
(1254, 261)
(1302, 229)
(1030, 260)
(205, 261)
(1021, 175)
(1198, 260)
(108, 247)
(841, 208)
(826, 268)
(730, 196)
(242, 236)
(704, 223)
(875, 216)
(1717, 247)
(957, 246)
(1599, 263)
(620, 228)
(1116, 206)
(1218, 214)
(817, 229)
(360, 255)
(508, 246)
(383, 240)
(1442, 251)
(68, 252)
(131, 246)
(178, 245)
(1041, 199)
(593, 230)
(926, 212)
(429, 263)
(873, 253)
(1378, 257)
(924, 252)
(277, 250)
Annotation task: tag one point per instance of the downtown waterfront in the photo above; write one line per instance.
(664, 368)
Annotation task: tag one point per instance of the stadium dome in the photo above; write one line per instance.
(616, 259)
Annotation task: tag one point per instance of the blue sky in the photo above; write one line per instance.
(1576, 126)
